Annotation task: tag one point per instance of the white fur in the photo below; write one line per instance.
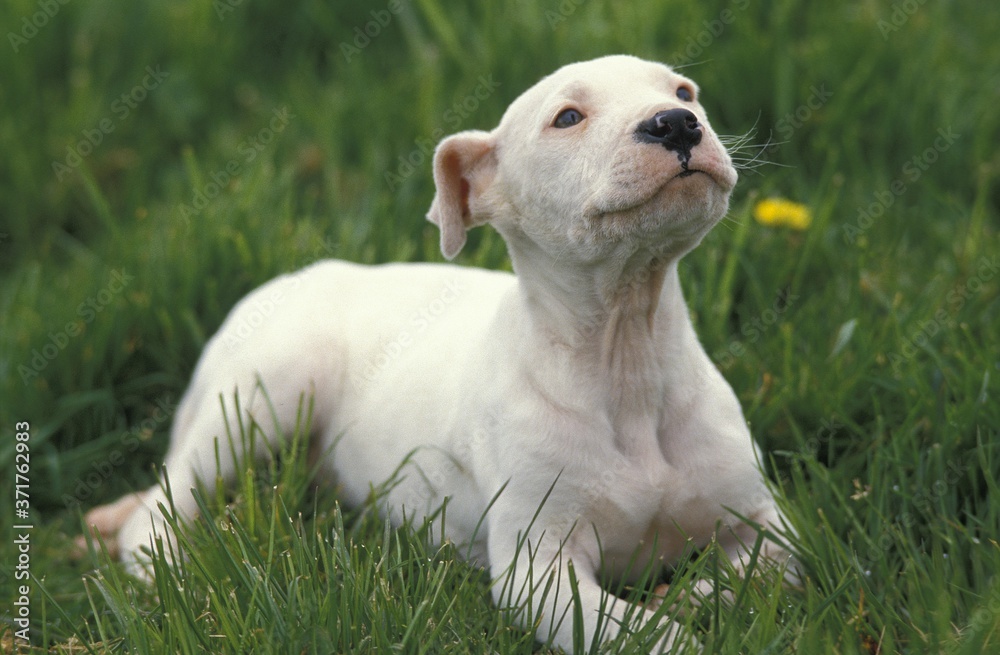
(584, 366)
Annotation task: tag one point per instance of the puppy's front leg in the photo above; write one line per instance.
(739, 540)
(554, 586)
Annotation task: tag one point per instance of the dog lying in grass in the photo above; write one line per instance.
(567, 413)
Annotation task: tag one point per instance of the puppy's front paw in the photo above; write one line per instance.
(105, 522)
(686, 599)
(81, 543)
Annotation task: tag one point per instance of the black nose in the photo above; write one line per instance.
(676, 129)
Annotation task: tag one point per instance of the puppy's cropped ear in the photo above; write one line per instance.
(464, 167)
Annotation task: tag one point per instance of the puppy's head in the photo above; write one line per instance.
(601, 158)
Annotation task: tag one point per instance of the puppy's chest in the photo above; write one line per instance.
(657, 508)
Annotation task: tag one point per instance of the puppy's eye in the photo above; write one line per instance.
(685, 94)
(568, 118)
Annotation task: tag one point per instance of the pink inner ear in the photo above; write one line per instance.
(463, 198)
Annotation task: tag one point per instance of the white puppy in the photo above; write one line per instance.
(579, 381)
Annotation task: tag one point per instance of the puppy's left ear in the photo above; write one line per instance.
(464, 167)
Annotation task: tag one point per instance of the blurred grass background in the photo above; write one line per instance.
(865, 349)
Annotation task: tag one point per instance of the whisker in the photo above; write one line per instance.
(678, 67)
(747, 155)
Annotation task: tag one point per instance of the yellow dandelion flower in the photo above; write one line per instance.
(778, 212)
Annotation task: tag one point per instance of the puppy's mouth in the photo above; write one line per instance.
(721, 175)
(690, 172)
(714, 178)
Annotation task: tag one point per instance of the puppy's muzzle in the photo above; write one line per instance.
(676, 130)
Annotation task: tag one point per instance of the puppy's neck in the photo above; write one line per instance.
(614, 321)
(587, 303)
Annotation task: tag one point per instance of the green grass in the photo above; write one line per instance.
(865, 351)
